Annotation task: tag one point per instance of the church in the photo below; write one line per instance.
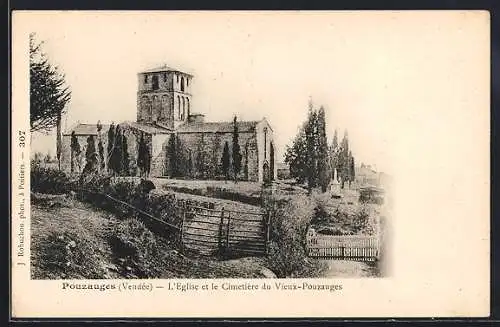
(166, 120)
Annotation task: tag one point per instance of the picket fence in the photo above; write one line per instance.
(344, 247)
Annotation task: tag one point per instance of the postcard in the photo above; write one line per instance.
(247, 164)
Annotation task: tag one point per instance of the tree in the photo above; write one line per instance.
(236, 151)
(75, 151)
(125, 158)
(49, 94)
(343, 160)
(334, 154)
(323, 156)
(111, 145)
(225, 161)
(100, 148)
(352, 169)
(91, 162)
(47, 158)
(311, 132)
(116, 159)
(171, 156)
(202, 163)
(296, 156)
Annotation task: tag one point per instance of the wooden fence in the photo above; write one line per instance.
(226, 233)
(211, 232)
(345, 247)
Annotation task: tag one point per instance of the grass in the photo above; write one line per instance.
(65, 230)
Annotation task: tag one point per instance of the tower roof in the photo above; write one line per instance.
(163, 68)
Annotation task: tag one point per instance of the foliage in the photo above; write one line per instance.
(91, 157)
(202, 162)
(100, 147)
(48, 180)
(69, 255)
(309, 157)
(290, 220)
(136, 245)
(102, 162)
(119, 160)
(296, 156)
(344, 220)
(144, 156)
(236, 151)
(75, 151)
(345, 162)
(324, 163)
(111, 145)
(48, 92)
(225, 160)
(125, 158)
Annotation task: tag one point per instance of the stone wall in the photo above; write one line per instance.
(80, 160)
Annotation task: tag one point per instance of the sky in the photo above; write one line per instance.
(372, 71)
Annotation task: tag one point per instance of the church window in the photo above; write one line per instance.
(187, 105)
(145, 79)
(182, 84)
(155, 82)
(179, 107)
(183, 109)
(164, 77)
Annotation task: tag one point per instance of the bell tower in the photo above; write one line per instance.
(164, 97)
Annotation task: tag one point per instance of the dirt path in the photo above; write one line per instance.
(349, 269)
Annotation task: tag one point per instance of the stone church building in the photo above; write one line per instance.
(164, 111)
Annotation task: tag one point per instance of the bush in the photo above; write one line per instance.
(289, 223)
(136, 249)
(49, 180)
(69, 255)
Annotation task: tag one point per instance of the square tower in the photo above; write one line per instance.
(164, 96)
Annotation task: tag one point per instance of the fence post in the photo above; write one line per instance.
(220, 231)
(181, 245)
(267, 222)
(226, 250)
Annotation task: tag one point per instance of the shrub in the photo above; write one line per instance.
(48, 180)
(136, 248)
(69, 255)
(288, 228)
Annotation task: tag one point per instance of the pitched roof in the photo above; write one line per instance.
(217, 127)
(149, 128)
(164, 68)
(86, 129)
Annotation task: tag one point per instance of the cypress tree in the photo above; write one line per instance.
(90, 156)
(75, 150)
(323, 167)
(111, 145)
(125, 156)
(225, 161)
(171, 157)
(236, 151)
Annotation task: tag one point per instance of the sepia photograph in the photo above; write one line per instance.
(280, 152)
(198, 184)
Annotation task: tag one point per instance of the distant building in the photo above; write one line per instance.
(366, 175)
(283, 171)
(164, 110)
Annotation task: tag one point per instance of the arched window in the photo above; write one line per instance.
(145, 79)
(164, 107)
(155, 82)
(187, 106)
(156, 108)
(183, 109)
(182, 84)
(178, 107)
